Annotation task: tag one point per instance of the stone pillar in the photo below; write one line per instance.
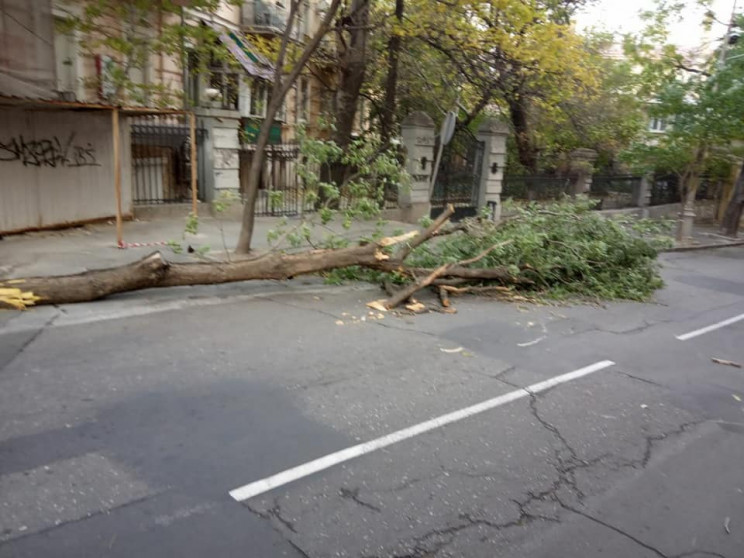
(581, 168)
(493, 134)
(417, 132)
(642, 191)
(221, 151)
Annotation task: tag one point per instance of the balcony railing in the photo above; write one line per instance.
(264, 17)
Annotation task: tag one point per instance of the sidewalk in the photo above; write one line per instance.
(79, 249)
(706, 236)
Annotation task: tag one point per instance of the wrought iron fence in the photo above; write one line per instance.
(279, 191)
(161, 159)
(615, 191)
(537, 187)
(665, 190)
(710, 188)
(459, 176)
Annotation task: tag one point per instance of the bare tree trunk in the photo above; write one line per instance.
(526, 151)
(281, 87)
(387, 116)
(733, 214)
(352, 65)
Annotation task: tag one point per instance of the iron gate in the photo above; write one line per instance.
(459, 177)
(161, 159)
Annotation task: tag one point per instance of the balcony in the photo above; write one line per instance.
(264, 17)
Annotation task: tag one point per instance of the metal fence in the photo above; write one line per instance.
(279, 191)
(540, 187)
(161, 159)
(615, 191)
(665, 190)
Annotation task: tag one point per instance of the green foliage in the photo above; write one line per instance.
(175, 246)
(565, 249)
(131, 33)
(192, 224)
(701, 98)
(225, 201)
(360, 196)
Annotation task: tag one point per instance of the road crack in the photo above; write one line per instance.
(615, 529)
(353, 495)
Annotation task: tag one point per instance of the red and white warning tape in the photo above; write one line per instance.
(125, 245)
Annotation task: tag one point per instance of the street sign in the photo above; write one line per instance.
(448, 128)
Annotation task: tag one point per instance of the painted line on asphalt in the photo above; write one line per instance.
(710, 328)
(295, 473)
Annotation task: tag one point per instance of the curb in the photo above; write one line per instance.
(703, 247)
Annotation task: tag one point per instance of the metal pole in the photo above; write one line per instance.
(117, 176)
(436, 168)
(192, 135)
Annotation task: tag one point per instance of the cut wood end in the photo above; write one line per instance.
(392, 240)
(378, 305)
(416, 307)
(381, 256)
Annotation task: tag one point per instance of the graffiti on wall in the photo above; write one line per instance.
(50, 152)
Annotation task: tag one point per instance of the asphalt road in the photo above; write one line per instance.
(126, 425)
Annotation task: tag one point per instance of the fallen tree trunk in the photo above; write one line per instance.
(154, 271)
(93, 285)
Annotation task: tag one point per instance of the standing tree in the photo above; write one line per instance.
(519, 55)
(287, 71)
(701, 98)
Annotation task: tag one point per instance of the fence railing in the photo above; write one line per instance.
(161, 159)
(615, 191)
(534, 187)
(280, 191)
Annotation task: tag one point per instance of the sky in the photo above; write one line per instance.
(622, 16)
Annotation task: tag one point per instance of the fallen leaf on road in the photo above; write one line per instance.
(736, 397)
(456, 350)
(726, 362)
(339, 322)
(644, 406)
(467, 354)
(726, 523)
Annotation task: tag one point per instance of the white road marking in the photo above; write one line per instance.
(269, 483)
(710, 328)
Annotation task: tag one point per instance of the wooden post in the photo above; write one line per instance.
(117, 176)
(192, 132)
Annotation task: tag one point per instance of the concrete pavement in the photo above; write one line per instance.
(124, 424)
(79, 249)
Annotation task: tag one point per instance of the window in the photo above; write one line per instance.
(657, 125)
(304, 17)
(304, 99)
(217, 85)
(327, 103)
(65, 54)
(225, 80)
(258, 98)
(193, 85)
